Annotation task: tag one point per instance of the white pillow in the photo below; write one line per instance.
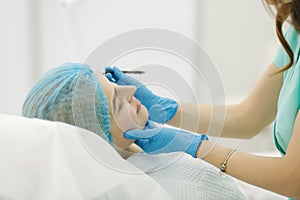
(52, 160)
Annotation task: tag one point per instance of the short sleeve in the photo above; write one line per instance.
(281, 59)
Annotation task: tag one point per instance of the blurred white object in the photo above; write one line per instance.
(67, 3)
(47, 160)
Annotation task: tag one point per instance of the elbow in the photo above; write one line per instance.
(294, 191)
(290, 186)
(252, 131)
(250, 134)
(254, 120)
(297, 195)
(250, 124)
(257, 129)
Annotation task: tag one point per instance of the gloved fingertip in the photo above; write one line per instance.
(204, 137)
(150, 125)
(117, 70)
(109, 76)
(129, 136)
(157, 113)
(108, 68)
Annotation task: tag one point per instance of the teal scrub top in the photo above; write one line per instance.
(289, 97)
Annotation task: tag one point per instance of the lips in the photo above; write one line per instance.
(138, 106)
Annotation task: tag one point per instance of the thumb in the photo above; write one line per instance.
(109, 76)
(157, 113)
(132, 135)
(108, 69)
(141, 134)
(117, 72)
(150, 125)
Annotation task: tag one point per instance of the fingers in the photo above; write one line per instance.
(150, 125)
(141, 134)
(135, 134)
(113, 73)
(157, 113)
(108, 69)
(109, 76)
(130, 135)
(117, 72)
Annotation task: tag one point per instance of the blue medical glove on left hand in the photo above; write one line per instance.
(164, 140)
(160, 109)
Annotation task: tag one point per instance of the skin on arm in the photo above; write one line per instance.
(242, 120)
(278, 174)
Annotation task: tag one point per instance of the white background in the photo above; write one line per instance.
(238, 35)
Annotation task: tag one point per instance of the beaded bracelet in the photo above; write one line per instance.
(224, 164)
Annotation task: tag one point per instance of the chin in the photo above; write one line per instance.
(122, 143)
(143, 116)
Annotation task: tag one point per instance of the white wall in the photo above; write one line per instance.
(16, 46)
(240, 37)
(78, 27)
(81, 25)
(39, 34)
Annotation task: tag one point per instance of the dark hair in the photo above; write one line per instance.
(286, 10)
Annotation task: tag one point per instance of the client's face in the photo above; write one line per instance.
(126, 112)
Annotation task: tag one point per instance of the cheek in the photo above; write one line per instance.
(127, 119)
(143, 116)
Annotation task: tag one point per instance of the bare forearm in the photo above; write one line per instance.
(242, 120)
(271, 173)
(230, 118)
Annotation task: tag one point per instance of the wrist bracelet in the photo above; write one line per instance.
(224, 164)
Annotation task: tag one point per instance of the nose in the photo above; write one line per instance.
(131, 91)
(126, 91)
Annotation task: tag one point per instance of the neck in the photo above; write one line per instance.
(129, 151)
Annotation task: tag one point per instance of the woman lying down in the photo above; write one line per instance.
(74, 94)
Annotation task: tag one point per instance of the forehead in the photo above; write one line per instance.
(107, 86)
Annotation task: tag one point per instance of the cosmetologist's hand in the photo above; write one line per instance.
(160, 109)
(155, 139)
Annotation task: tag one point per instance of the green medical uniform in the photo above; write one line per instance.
(289, 97)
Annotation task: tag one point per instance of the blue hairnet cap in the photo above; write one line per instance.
(70, 93)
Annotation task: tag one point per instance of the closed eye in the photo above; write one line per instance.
(118, 103)
(121, 105)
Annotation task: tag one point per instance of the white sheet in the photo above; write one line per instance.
(187, 178)
(47, 160)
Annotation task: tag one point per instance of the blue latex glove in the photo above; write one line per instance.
(164, 140)
(160, 109)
